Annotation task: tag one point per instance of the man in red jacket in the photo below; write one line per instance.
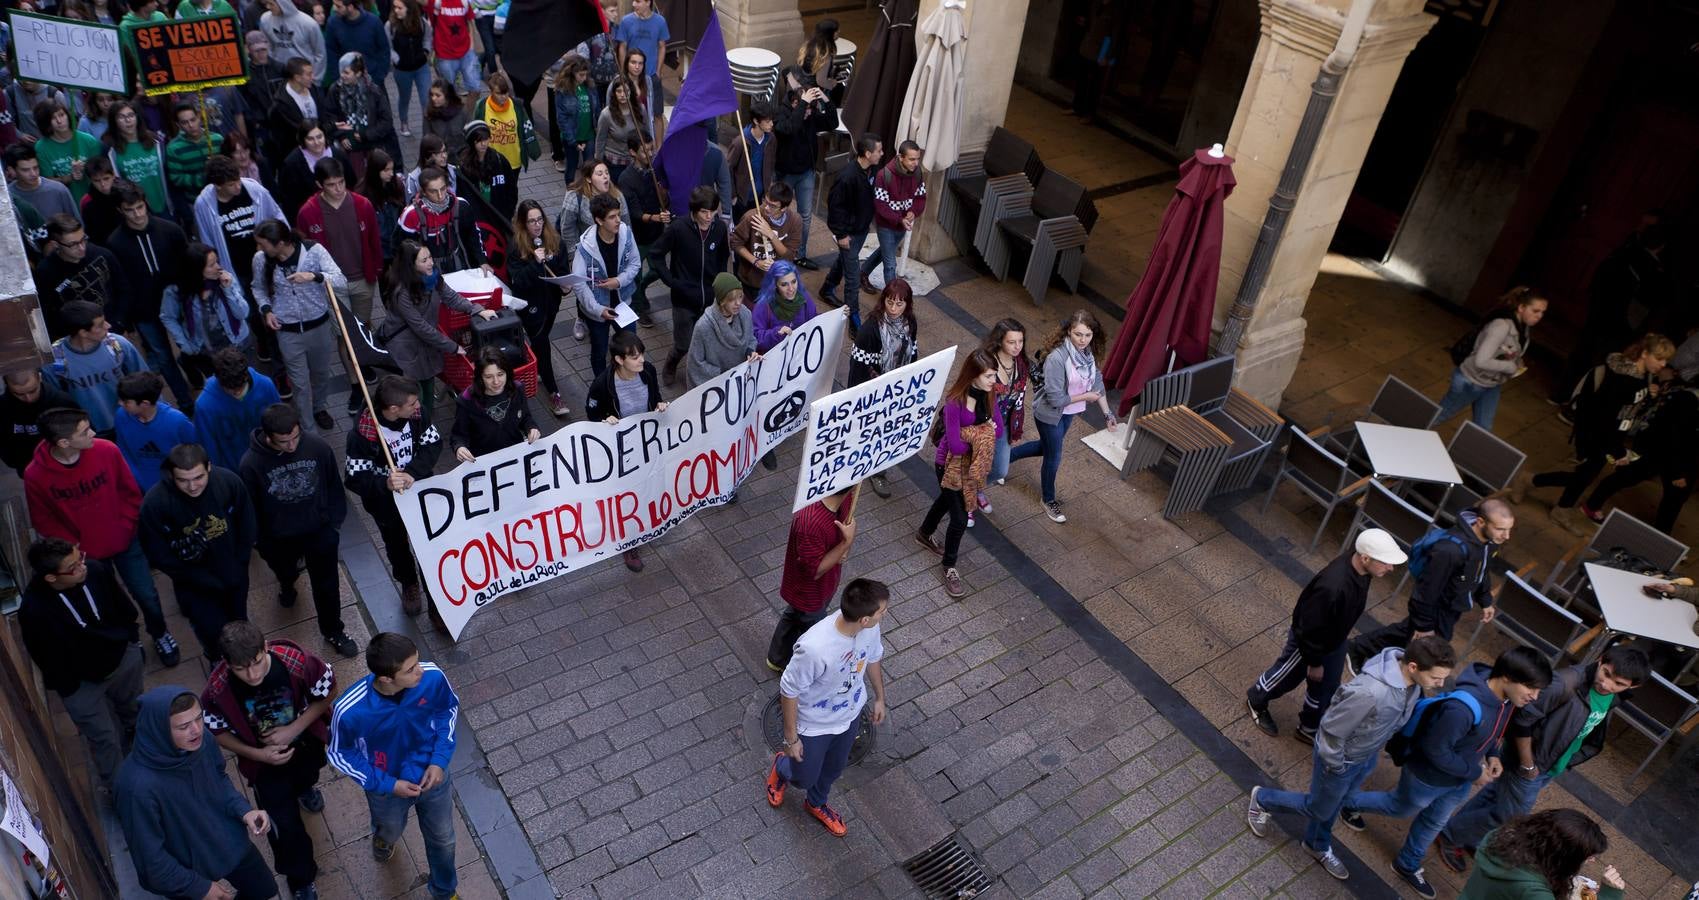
(80, 490)
(345, 223)
(899, 199)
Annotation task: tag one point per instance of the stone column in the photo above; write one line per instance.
(1297, 35)
(770, 24)
(993, 44)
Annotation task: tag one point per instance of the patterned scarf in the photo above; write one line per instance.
(893, 342)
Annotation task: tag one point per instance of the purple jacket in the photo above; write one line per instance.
(956, 416)
(767, 324)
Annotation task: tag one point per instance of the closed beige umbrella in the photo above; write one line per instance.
(931, 113)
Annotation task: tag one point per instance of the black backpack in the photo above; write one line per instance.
(1035, 373)
(1464, 346)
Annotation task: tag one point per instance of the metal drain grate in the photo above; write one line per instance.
(773, 728)
(948, 870)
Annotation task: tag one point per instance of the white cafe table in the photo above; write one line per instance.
(1628, 610)
(1411, 454)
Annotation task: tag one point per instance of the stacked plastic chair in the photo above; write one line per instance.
(1218, 436)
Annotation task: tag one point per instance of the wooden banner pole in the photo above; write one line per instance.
(359, 376)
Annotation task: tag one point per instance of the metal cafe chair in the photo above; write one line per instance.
(1533, 620)
(960, 209)
(1323, 477)
(1053, 225)
(1660, 711)
(1381, 508)
(1619, 530)
(1487, 463)
(1396, 403)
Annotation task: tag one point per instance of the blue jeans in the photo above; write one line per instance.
(157, 348)
(1497, 803)
(601, 334)
(890, 240)
(436, 826)
(803, 185)
(1464, 392)
(132, 567)
(406, 83)
(844, 270)
(487, 37)
(1328, 791)
(1050, 444)
(1432, 806)
(823, 759)
(1000, 459)
(467, 66)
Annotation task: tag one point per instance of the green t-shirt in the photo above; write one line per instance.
(188, 9)
(141, 165)
(586, 122)
(57, 157)
(1598, 706)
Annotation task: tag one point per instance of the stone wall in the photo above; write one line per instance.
(1525, 73)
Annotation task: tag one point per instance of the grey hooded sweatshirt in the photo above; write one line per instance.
(1366, 712)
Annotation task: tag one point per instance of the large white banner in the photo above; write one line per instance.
(591, 490)
(67, 52)
(871, 427)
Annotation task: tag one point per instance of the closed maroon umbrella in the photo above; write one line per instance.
(1169, 310)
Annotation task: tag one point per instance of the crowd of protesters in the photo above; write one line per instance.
(189, 253)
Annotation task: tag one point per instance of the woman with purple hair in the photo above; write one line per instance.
(782, 306)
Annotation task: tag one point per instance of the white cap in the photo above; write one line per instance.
(1380, 547)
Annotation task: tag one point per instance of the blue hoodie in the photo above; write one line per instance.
(378, 740)
(146, 443)
(92, 378)
(180, 812)
(225, 423)
(1448, 745)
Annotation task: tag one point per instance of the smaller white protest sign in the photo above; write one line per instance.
(67, 52)
(18, 822)
(866, 429)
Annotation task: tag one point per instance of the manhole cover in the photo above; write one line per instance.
(773, 726)
(948, 870)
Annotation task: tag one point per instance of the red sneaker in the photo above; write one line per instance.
(1597, 516)
(775, 783)
(633, 561)
(828, 817)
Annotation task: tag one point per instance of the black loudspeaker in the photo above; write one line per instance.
(504, 332)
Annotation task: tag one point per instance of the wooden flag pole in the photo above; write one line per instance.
(754, 186)
(359, 376)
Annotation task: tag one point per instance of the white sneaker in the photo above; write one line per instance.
(1331, 863)
(1053, 509)
(1255, 816)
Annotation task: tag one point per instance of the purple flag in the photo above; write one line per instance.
(706, 93)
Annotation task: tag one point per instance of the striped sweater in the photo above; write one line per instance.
(185, 161)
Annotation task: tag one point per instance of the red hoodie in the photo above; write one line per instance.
(451, 28)
(94, 503)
